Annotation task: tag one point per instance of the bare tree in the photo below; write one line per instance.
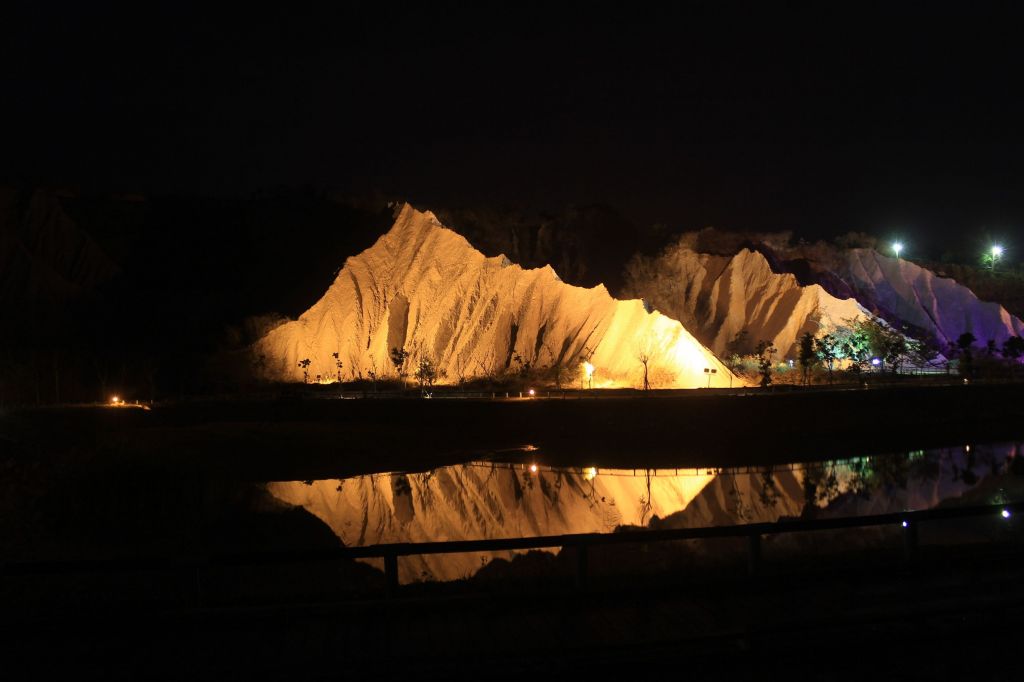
(487, 366)
(644, 356)
(372, 373)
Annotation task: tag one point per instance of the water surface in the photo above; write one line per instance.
(479, 500)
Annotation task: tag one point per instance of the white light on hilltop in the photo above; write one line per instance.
(896, 248)
(997, 251)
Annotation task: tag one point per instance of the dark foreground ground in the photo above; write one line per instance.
(957, 613)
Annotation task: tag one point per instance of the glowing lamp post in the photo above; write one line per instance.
(587, 375)
(997, 253)
(896, 248)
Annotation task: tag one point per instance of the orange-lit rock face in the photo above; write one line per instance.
(718, 297)
(424, 288)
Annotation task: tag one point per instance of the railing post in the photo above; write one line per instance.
(910, 542)
(753, 554)
(581, 566)
(390, 575)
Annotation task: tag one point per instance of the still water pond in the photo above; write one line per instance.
(479, 500)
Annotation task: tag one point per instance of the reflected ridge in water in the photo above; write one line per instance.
(493, 500)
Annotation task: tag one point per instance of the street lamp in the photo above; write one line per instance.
(587, 375)
(896, 248)
(997, 252)
(710, 372)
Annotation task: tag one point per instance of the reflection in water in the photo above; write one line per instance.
(487, 500)
(474, 501)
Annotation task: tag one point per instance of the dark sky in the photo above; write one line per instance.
(817, 120)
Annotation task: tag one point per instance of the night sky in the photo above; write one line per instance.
(816, 120)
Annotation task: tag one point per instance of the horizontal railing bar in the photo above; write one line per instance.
(503, 544)
(664, 535)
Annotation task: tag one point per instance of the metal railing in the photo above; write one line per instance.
(908, 521)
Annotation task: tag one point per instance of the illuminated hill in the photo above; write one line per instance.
(903, 291)
(718, 288)
(424, 288)
(717, 297)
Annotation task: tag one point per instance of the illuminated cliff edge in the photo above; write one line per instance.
(940, 306)
(424, 288)
(717, 297)
(480, 500)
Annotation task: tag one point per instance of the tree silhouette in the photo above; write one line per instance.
(828, 349)
(426, 372)
(372, 373)
(304, 364)
(964, 348)
(1013, 350)
(398, 358)
(765, 353)
(807, 356)
(524, 365)
(643, 354)
(338, 364)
